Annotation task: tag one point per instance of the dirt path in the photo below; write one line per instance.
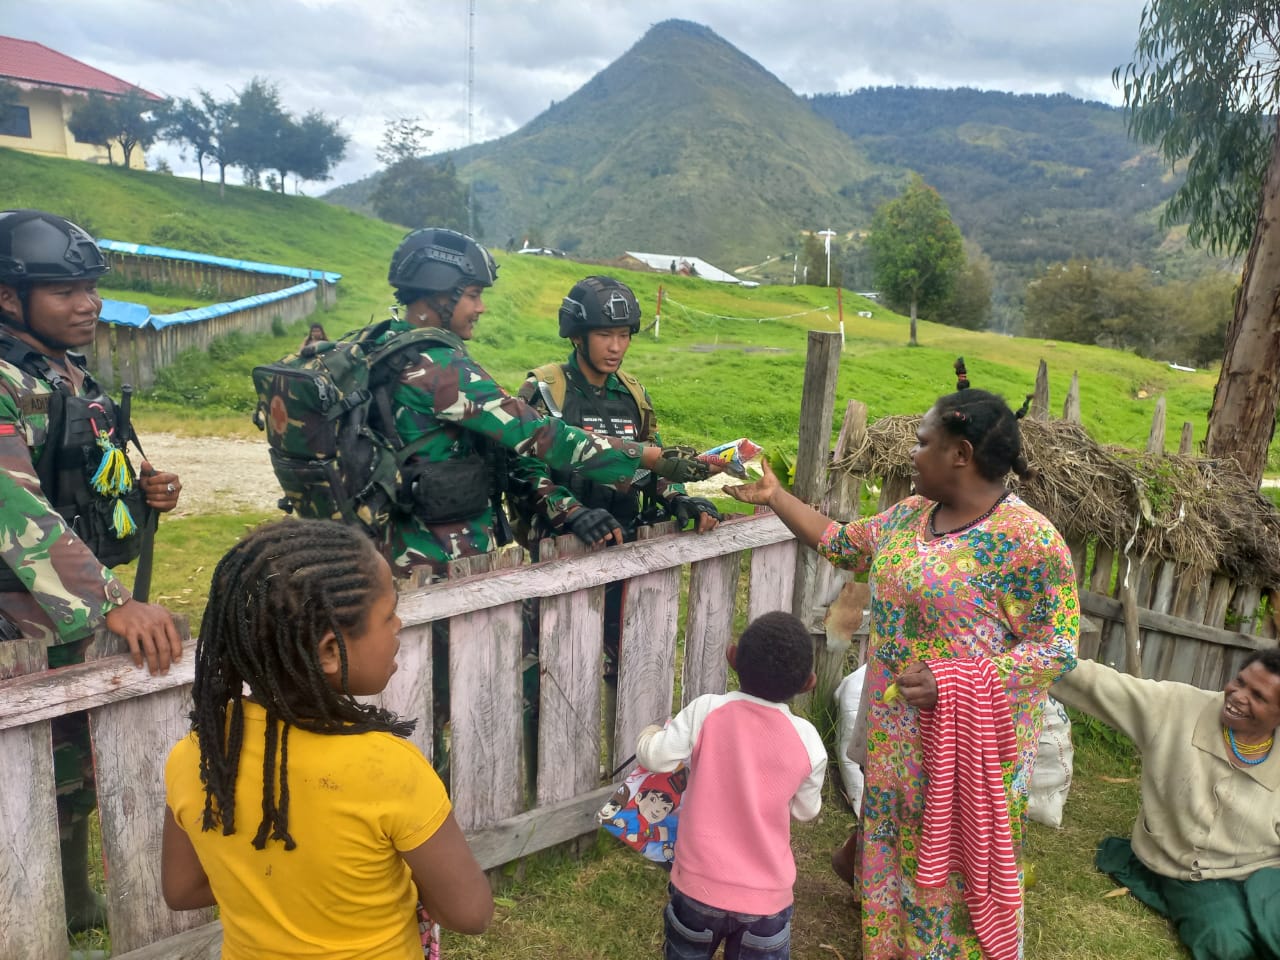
(233, 475)
(219, 474)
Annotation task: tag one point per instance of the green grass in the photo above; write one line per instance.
(609, 903)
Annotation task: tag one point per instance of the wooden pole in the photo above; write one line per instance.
(817, 406)
(1040, 399)
(657, 314)
(1155, 439)
(1071, 408)
(1184, 442)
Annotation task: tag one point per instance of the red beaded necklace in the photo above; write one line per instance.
(935, 532)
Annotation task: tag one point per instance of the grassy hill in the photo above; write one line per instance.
(730, 361)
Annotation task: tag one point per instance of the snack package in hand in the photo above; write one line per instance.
(735, 454)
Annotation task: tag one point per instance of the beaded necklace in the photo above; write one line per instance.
(935, 532)
(1230, 737)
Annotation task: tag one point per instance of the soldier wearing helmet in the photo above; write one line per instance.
(453, 414)
(460, 423)
(55, 581)
(590, 390)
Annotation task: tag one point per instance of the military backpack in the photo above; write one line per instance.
(327, 414)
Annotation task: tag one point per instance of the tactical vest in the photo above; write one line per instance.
(629, 417)
(72, 453)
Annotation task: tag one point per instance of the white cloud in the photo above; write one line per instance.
(364, 63)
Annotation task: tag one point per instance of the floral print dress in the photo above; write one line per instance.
(1003, 589)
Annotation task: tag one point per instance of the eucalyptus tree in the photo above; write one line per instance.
(1204, 85)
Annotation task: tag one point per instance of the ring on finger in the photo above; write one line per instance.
(170, 487)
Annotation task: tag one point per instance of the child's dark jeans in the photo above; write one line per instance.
(695, 931)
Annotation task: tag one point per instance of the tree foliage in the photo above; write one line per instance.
(916, 248)
(969, 303)
(1088, 301)
(814, 262)
(416, 192)
(130, 122)
(1204, 87)
(402, 139)
(93, 121)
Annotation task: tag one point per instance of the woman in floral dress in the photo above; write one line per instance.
(965, 569)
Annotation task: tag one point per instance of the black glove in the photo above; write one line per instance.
(677, 465)
(591, 524)
(690, 508)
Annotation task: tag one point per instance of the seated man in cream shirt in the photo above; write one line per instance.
(1205, 850)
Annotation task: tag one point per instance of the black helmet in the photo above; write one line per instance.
(434, 259)
(39, 247)
(596, 302)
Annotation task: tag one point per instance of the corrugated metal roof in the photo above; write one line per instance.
(663, 261)
(29, 62)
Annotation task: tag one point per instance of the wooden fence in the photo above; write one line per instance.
(135, 718)
(122, 354)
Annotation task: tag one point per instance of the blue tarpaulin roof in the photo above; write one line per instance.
(138, 315)
(251, 266)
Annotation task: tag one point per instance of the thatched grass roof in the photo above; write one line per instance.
(1201, 512)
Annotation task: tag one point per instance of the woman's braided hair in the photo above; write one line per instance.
(274, 596)
(990, 426)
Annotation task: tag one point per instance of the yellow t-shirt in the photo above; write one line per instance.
(343, 891)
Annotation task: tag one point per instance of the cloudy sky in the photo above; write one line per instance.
(364, 62)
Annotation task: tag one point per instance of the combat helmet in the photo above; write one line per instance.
(434, 259)
(596, 302)
(39, 247)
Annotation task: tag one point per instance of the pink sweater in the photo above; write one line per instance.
(753, 766)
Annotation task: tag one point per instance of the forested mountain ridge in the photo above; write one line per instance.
(685, 144)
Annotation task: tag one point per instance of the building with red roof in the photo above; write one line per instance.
(50, 85)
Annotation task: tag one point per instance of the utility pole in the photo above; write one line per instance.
(826, 236)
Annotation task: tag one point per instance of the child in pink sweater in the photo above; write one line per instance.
(753, 766)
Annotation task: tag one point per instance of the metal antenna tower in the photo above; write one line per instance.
(471, 82)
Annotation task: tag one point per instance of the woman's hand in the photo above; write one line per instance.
(760, 492)
(917, 686)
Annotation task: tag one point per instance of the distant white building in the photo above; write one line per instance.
(688, 266)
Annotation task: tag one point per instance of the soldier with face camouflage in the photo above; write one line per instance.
(460, 421)
(59, 534)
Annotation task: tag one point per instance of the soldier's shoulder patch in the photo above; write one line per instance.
(29, 403)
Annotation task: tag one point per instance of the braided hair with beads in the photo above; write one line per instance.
(274, 596)
(989, 424)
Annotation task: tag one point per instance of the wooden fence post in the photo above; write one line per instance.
(1040, 399)
(817, 406)
(130, 740)
(1155, 439)
(1184, 442)
(31, 896)
(1071, 407)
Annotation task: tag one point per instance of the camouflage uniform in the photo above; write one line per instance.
(70, 592)
(448, 404)
(550, 495)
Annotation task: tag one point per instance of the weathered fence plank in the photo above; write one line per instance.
(709, 626)
(484, 707)
(570, 655)
(130, 740)
(409, 691)
(31, 898)
(647, 670)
